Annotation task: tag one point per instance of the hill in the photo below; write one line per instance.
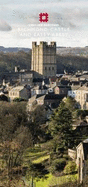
(73, 51)
(71, 63)
(13, 49)
(9, 60)
(70, 59)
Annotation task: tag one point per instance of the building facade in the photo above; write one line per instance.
(80, 95)
(25, 78)
(80, 156)
(19, 92)
(82, 160)
(44, 59)
(61, 89)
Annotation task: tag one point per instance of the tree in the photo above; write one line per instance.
(60, 126)
(71, 103)
(15, 137)
(81, 114)
(19, 99)
(70, 168)
(36, 171)
(37, 123)
(57, 165)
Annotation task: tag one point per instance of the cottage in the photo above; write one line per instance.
(82, 160)
(62, 89)
(80, 156)
(19, 91)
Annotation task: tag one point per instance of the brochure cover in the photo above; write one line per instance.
(43, 93)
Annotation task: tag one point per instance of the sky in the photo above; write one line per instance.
(67, 22)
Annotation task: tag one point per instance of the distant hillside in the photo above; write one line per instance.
(70, 59)
(9, 60)
(73, 51)
(13, 49)
(77, 51)
(71, 63)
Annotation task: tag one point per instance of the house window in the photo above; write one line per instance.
(45, 68)
(49, 68)
(52, 68)
(86, 97)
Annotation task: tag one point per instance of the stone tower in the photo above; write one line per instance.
(44, 59)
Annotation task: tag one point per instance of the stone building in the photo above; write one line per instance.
(19, 92)
(44, 59)
(25, 78)
(80, 156)
(80, 95)
(82, 160)
(61, 89)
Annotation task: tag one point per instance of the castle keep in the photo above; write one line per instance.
(44, 59)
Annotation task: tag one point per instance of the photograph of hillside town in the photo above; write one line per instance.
(44, 117)
(44, 93)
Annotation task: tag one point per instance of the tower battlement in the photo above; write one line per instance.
(44, 58)
(52, 44)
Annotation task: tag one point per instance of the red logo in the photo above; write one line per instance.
(43, 17)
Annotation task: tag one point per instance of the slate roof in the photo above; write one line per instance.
(17, 88)
(64, 86)
(65, 82)
(84, 87)
(54, 97)
(43, 87)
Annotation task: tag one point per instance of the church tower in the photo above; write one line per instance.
(44, 59)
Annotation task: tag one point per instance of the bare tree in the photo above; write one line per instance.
(15, 138)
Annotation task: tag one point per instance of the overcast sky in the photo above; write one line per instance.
(67, 25)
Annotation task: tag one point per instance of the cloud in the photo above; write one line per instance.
(66, 13)
(4, 26)
(70, 15)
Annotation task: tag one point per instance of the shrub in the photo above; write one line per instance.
(58, 165)
(70, 168)
(66, 156)
(18, 99)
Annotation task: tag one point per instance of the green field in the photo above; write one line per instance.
(37, 155)
(52, 180)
